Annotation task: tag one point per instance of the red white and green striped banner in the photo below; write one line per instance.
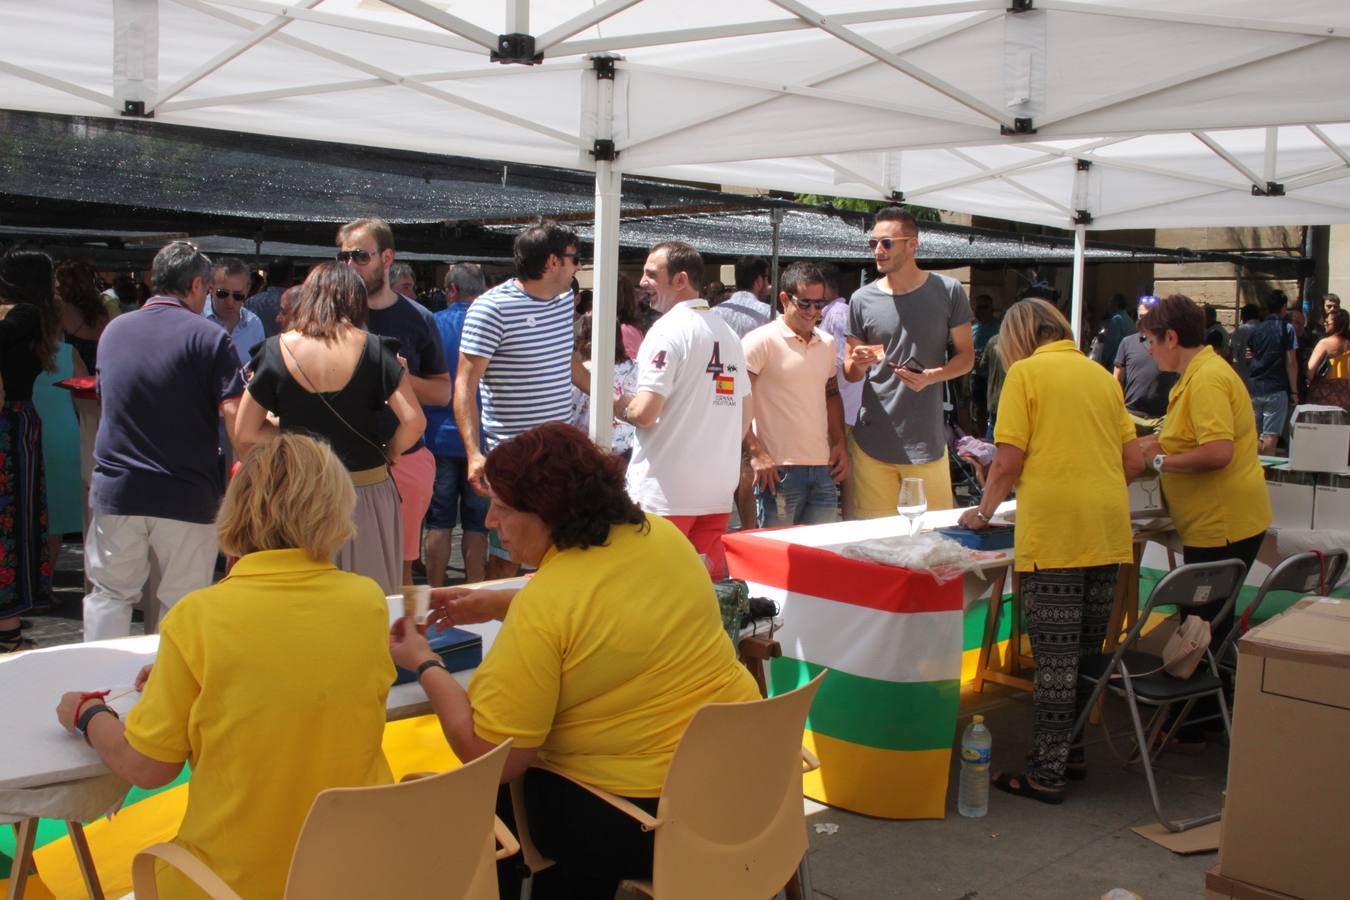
(884, 720)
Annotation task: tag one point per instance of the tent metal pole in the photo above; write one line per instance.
(776, 222)
(1079, 246)
(604, 319)
(605, 245)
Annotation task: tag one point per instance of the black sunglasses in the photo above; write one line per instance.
(360, 257)
(239, 296)
(807, 304)
(887, 242)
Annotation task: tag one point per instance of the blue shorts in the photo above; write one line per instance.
(1272, 412)
(453, 499)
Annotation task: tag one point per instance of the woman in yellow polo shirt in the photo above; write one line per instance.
(602, 658)
(1061, 435)
(270, 683)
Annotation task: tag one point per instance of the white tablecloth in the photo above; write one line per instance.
(46, 771)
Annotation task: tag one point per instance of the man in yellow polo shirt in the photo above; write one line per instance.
(796, 444)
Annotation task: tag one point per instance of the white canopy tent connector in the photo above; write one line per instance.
(1083, 114)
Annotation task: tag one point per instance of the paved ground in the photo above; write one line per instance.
(1022, 850)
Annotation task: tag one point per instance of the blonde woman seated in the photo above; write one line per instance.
(603, 657)
(271, 683)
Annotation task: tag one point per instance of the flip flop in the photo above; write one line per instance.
(1020, 785)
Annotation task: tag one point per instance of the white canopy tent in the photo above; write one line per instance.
(1073, 113)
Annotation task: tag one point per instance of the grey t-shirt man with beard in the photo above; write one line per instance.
(896, 424)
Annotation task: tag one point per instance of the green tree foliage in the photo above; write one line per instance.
(850, 204)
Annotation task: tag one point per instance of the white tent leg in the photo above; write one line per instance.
(1079, 245)
(608, 191)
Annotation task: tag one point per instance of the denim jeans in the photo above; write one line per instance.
(806, 494)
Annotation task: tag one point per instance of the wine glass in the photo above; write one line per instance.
(913, 502)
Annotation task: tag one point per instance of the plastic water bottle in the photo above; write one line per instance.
(973, 797)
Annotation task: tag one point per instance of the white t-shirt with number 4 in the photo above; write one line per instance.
(689, 461)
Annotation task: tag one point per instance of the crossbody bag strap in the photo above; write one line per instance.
(313, 388)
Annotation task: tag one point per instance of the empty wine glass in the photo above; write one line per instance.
(913, 502)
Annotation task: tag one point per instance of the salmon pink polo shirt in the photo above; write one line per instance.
(789, 390)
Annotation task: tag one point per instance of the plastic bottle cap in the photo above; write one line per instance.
(976, 719)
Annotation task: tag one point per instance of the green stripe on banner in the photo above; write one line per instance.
(889, 715)
(972, 625)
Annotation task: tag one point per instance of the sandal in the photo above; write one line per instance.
(1021, 786)
(12, 641)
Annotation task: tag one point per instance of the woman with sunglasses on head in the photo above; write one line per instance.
(327, 377)
(1064, 441)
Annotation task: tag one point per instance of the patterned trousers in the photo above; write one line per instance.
(1067, 611)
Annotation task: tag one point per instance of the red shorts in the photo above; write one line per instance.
(705, 533)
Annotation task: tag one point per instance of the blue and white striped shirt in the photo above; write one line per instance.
(528, 343)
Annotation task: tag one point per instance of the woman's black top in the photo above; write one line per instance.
(19, 367)
(88, 350)
(359, 403)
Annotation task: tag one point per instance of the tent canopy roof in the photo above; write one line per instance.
(1182, 107)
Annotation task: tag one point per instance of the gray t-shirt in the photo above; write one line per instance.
(1146, 387)
(895, 424)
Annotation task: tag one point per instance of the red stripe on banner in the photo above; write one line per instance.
(824, 573)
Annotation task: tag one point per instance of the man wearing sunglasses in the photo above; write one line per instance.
(796, 444)
(367, 247)
(898, 330)
(515, 357)
(225, 307)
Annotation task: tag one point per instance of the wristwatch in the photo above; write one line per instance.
(430, 664)
(982, 517)
(1158, 462)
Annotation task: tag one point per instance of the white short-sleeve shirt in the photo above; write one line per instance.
(688, 462)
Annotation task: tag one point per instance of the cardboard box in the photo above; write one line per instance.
(1319, 439)
(1331, 503)
(1291, 497)
(1287, 811)
(1220, 887)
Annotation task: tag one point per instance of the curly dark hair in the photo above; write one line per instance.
(555, 472)
(76, 285)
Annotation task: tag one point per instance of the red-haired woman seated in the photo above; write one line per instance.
(602, 659)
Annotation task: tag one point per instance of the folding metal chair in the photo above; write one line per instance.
(1311, 572)
(1137, 676)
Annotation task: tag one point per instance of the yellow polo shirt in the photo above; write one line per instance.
(604, 657)
(1210, 509)
(272, 685)
(1067, 414)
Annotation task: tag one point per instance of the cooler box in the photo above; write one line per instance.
(995, 537)
(458, 649)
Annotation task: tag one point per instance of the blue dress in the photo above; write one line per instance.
(60, 446)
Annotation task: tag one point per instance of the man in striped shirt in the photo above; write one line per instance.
(516, 354)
